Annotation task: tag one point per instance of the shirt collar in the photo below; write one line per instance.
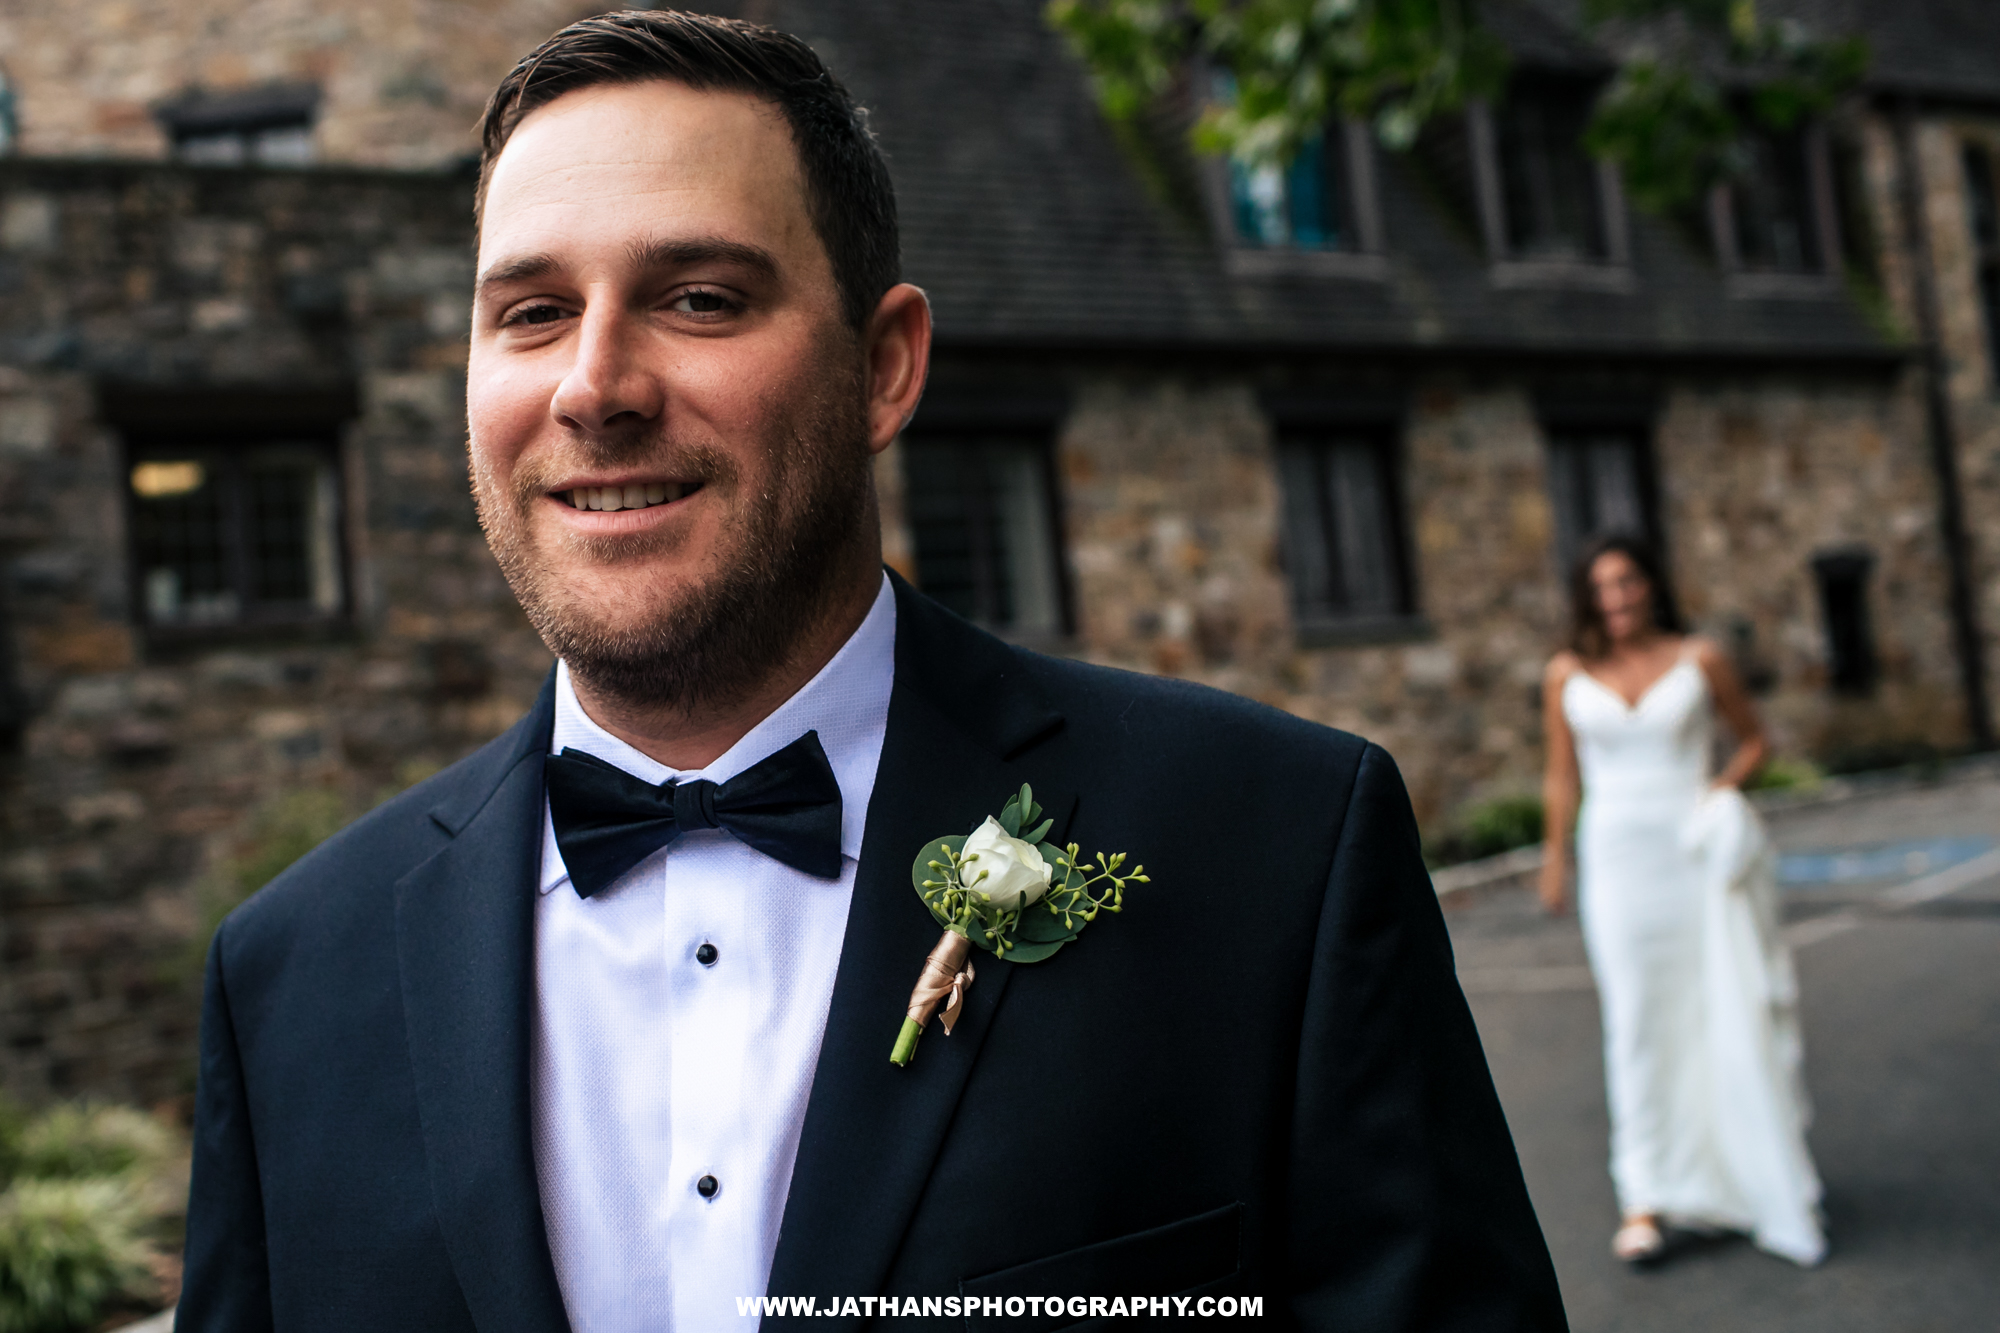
(847, 703)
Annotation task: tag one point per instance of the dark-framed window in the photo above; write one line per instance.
(1982, 205)
(1551, 190)
(982, 510)
(1308, 204)
(266, 126)
(1345, 550)
(236, 531)
(1600, 485)
(1778, 218)
(1842, 578)
(235, 507)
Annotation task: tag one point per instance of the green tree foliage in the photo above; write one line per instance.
(1674, 117)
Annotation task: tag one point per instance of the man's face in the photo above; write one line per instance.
(668, 415)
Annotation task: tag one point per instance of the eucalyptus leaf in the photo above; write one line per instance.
(1025, 952)
(1041, 926)
(920, 869)
(1041, 832)
(975, 930)
(1010, 819)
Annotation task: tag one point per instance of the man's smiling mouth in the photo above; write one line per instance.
(638, 496)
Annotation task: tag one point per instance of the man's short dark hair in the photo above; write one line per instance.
(849, 196)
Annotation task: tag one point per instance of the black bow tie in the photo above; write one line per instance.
(786, 805)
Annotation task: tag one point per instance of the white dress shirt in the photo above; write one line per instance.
(652, 1070)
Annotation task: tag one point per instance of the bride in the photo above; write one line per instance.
(1678, 903)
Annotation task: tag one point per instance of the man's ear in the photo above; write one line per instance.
(899, 361)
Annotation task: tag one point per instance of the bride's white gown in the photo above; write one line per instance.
(1678, 902)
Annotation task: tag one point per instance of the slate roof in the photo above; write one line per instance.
(1030, 227)
(1948, 49)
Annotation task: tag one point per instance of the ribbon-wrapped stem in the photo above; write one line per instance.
(946, 976)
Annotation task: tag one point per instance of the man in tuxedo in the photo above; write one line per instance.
(592, 1030)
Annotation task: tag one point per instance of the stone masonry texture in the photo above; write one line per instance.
(151, 771)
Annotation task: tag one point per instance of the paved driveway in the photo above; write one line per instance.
(1901, 983)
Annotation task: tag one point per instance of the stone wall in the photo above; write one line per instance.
(401, 84)
(147, 770)
(151, 773)
(1173, 524)
(1969, 377)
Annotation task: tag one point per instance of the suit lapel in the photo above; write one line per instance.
(465, 947)
(960, 718)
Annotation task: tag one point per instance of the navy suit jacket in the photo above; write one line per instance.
(1259, 1079)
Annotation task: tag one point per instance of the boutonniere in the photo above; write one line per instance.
(1004, 889)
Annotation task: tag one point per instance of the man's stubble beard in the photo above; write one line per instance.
(783, 553)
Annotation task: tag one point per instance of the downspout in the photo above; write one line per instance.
(1943, 436)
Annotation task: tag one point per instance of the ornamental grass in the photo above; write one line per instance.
(90, 1214)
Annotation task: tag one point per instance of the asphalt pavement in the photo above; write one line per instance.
(1893, 911)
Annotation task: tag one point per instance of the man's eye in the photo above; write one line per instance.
(537, 314)
(700, 303)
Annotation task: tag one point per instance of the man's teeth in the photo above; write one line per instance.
(627, 497)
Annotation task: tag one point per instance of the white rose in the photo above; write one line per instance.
(1014, 873)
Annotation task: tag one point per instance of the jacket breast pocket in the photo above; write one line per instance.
(1192, 1257)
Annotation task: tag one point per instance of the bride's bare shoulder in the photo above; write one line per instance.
(1561, 667)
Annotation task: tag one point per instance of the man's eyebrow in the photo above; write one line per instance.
(704, 250)
(518, 269)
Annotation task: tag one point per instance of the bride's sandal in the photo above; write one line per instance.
(1638, 1241)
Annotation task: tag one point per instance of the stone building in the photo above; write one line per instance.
(1324, 438)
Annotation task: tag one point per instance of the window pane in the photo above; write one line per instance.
(1773, 207)
(1021, 493)
(1304, 204)
(1597, 485)
(980, 518)
(1257, 198)
(179, 539)
(227, 534)
(1614, 488)
(1850, 641)
(1307, 558)
(1341, 545)
(1549, 183)
(212, 150)
(281, 509)
(1362, 525)
(283, 146)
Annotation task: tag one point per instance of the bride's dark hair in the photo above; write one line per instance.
(1587, 637)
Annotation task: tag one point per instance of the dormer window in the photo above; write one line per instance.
(1316, 214)
(270, 126)
(1775, 226)
(1307, 205)
(1772, 208)
(1550, 214)
(1551, 191)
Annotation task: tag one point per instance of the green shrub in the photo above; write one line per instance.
(1785, 775)
(68, 1248)
(1488, 829)
(76, 1142)
(89, 1191)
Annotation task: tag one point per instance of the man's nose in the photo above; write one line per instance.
(611, 382)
